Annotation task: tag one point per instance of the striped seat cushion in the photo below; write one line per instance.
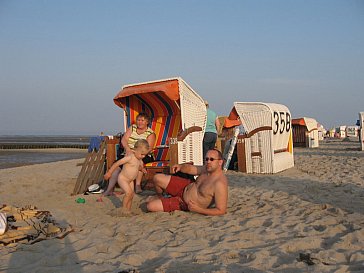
(157, 164)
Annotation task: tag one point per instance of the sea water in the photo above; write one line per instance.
(12, 157)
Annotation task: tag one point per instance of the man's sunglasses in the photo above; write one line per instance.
(211, 159)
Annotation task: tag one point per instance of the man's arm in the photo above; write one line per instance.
(188, 168)
(218, 125)
(221, 197)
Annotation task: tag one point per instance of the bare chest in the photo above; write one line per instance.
(205, 186)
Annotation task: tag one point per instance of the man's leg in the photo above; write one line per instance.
(154, 204)
(209, 141)
(161, 182)
(213, 141)
(174, 186)
(205, 145)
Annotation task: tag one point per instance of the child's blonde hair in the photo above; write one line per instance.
(141, 143)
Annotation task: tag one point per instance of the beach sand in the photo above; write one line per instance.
(310, 214)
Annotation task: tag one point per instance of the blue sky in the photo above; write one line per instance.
(62, 62)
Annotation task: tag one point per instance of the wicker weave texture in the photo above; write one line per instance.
(193, 113)
(253, 116)
(259, 143)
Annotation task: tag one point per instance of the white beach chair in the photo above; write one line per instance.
(361, 135)
(266, 146)
(305, 132)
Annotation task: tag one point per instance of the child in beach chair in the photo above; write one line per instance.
(132, 163)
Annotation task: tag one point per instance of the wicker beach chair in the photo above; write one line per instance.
(305, 132)
(361, 130)
(266, 146)
(178, 118)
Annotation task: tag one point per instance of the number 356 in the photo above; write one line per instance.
(282, 122)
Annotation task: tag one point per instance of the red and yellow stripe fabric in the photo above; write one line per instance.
(165, 117)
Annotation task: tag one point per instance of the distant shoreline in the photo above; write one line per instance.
(44, 142)
(20, 146)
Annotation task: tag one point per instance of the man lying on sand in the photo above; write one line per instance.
(211, 187)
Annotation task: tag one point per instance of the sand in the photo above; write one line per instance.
(309, 218)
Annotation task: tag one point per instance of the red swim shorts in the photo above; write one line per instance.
(175, 188)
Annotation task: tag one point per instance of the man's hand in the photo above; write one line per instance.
(192, 206)
(176, 168)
